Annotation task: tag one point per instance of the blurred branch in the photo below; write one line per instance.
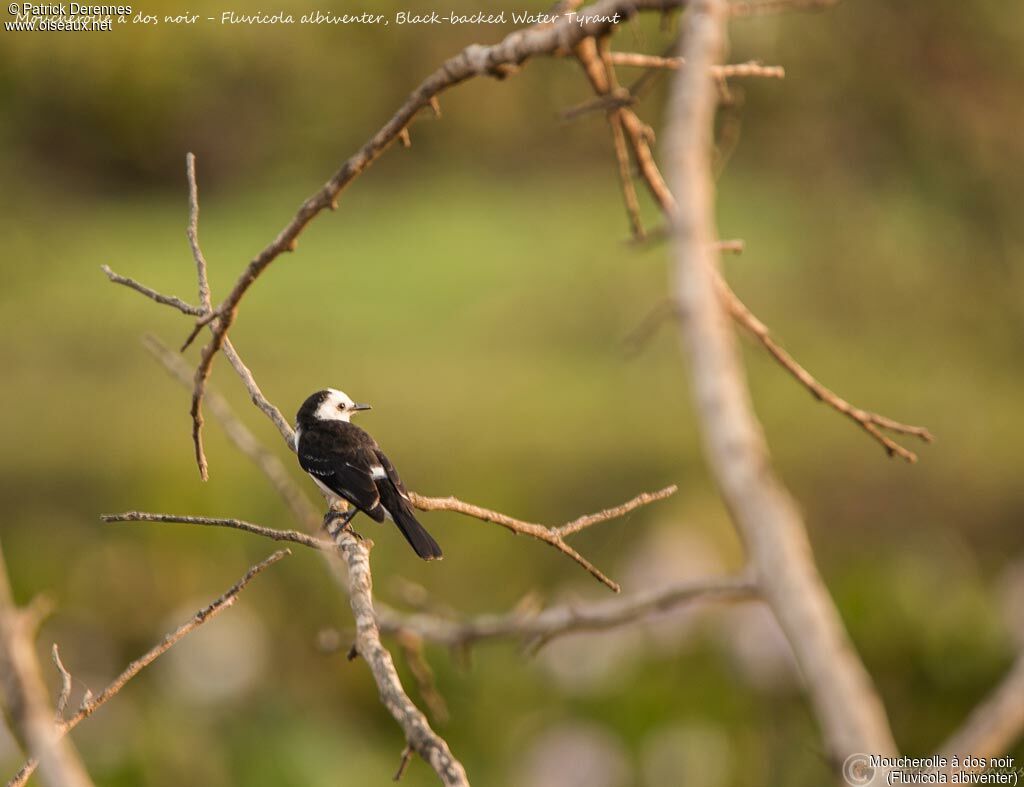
(418, 733)
(543, 626)
(92, 704)
(997, 722)
(24, 697)
(847, 706)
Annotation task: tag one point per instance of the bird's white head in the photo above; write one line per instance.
(336, 405)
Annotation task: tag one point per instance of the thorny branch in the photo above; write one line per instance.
(91, 704)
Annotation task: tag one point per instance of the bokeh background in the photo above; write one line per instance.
(477, 289)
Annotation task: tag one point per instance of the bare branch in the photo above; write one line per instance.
(418, 733)
(868, 421)
(847, 706)
(751, 68)
(24, 698)
(91, 704)
(593, 55)
(166, 300)
(555, 621)
(643, 499)
(995, 724)
(192, 232)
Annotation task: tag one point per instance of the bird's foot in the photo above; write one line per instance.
(336, 521)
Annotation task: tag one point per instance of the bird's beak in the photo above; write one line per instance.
(361, 407)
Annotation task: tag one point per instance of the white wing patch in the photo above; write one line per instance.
(377, 472)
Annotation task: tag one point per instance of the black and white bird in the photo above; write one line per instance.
(347, 464)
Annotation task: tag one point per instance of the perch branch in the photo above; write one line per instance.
(91, 704)
(418, 733)
(846, 704)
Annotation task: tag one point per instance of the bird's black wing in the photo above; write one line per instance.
(392, 474)
(341, 457)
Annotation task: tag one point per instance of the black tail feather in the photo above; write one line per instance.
(419, 539)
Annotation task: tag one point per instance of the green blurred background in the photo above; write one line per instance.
(477, 289)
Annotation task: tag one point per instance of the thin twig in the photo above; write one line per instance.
(403, 763)
(870, 422)
(91, 704)
(643, 499)
(751, 68)
(192, 232)
(166, 300)
(238, 524)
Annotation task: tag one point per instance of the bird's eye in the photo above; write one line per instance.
(341, 406)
